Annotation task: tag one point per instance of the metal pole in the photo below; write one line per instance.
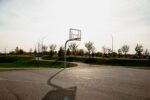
(35, 51)
(42, 44)
(112, 42)
(65, 60)
(38, 53)
(42, 47)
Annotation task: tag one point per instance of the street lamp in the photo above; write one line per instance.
(112, 41)
(38, 49)
(42, 43)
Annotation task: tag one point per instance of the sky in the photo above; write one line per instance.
(25, 22)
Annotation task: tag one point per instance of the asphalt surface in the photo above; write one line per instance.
(85, 82)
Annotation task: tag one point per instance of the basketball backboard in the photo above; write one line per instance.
(75, 34)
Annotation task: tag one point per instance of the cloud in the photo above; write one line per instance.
(96, 18)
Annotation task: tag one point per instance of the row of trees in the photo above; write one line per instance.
(90, 51)
(139, 49)
(122, 52)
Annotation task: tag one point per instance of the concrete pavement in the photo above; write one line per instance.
(85, 82)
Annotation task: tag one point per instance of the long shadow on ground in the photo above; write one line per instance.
(59, 93)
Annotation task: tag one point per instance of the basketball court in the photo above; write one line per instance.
(85, 82)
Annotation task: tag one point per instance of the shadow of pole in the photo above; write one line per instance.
(49, 82)
(60, 93)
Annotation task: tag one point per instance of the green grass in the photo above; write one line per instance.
(112, 61)
(17, 62)
(11, 59)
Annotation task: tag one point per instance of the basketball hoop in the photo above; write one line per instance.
(74, 35)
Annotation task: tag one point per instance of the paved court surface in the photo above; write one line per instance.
(85, 82)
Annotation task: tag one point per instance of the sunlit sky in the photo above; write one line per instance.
(24, 22)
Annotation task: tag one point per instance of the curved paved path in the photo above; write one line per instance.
(85, 82)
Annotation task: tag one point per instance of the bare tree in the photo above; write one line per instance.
(52, 48)
(35, 51)
(89, 46)
(146, 53)
(93, 50)
(17, 50)
(139, 50)
(104, 49)
(125, 49)
(44, 49)
(119, 52)
(30, 51)
(61, 52)
(73, 47)
(68, 52)
(80, 52)
(109, 50)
